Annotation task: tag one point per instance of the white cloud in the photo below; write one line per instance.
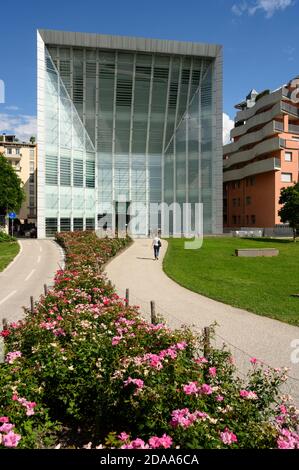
(23, 126)
(228, 124)
(269, 7)
(12, 108)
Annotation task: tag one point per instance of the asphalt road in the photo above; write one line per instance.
(34, 266)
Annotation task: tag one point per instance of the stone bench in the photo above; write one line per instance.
(253, 252)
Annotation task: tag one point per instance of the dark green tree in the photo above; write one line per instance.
(11, 188)
(289, 212)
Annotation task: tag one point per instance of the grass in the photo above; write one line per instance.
(260, 285)
(8, 250)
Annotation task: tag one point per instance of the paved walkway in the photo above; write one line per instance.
(247, 334)
(34, 266)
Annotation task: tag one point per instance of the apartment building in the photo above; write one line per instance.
(262, 157)
(23, 158)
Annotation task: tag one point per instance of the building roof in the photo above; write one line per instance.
(104, 41)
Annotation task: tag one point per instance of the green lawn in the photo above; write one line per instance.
(8, 250)
(261, 285)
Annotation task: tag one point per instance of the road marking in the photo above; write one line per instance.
(38, 259)
(7, 297)
(29, 275)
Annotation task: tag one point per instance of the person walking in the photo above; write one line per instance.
(157, 245)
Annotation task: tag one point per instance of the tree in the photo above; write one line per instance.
(289, 197)
(11, 188)
(32, 139)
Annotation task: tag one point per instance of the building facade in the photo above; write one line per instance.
(23, 158)
(126, 121)
(262, 158)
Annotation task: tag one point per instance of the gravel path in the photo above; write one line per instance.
(246, 334)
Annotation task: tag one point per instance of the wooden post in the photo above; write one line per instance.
(206, 344)
(45, 289)
(153, 313)
(31, 304)
(4, 324)
(127, 296)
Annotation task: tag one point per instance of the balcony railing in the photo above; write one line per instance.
(293, 128)
(290, 109)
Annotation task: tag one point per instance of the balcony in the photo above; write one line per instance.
(257, 120)
(293, 128)
(266, 146)
(264, 102)
(247, 139)
(290, 109)
(255, 168)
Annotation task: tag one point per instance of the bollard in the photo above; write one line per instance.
(46, 289)
(4, 324)
(153, 313)
(206, 344)
(127, 296)
(31, 304)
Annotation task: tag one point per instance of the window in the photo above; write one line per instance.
(51, 173)
(248, 200)
(239, 219)
(31, 167)
(239, 202)
(234, 219)
(31, 178)
(89, 224)
(253, 219)
(235, 202)
(288, 156)
(247, 219)
(65, 225)
(17, 151)
(65, 171)
(31, 201)
(78, 173)
(286, 177)
(51, 227)
(9, 151)
(31, 153)
(31, 189)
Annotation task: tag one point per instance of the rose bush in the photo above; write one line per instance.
(85, 367)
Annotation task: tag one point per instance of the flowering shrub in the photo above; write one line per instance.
(86, 367)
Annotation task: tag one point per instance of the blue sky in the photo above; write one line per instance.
(260, 39)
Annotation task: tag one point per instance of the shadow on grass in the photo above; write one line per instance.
(268, 240)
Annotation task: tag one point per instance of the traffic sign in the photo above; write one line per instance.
(12, 215)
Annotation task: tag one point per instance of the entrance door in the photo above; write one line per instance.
(122, 218)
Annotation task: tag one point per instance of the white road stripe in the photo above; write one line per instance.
(7, 297)
(29, 275)
(38, 259)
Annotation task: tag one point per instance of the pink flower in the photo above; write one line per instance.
(181, 346)
(191, 388)
(123, 436)
(228, 437)
(59, 332)
(6, 427)
(248, 395)
(182, 418)
(12, 356)
(201, 360)
(164, 441)
(288, 440)
(4, 419)
(11, 439)
(219, 398)
(138, 382)
(212, 371)
(116, 340)
(206, 389)
(283, 409)
(253, 360)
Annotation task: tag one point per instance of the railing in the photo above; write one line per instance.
(294, 128)
(278, 126)
(289, 108)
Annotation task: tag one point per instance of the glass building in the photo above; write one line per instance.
(126, 120)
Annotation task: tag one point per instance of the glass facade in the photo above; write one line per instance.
(123, 127)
